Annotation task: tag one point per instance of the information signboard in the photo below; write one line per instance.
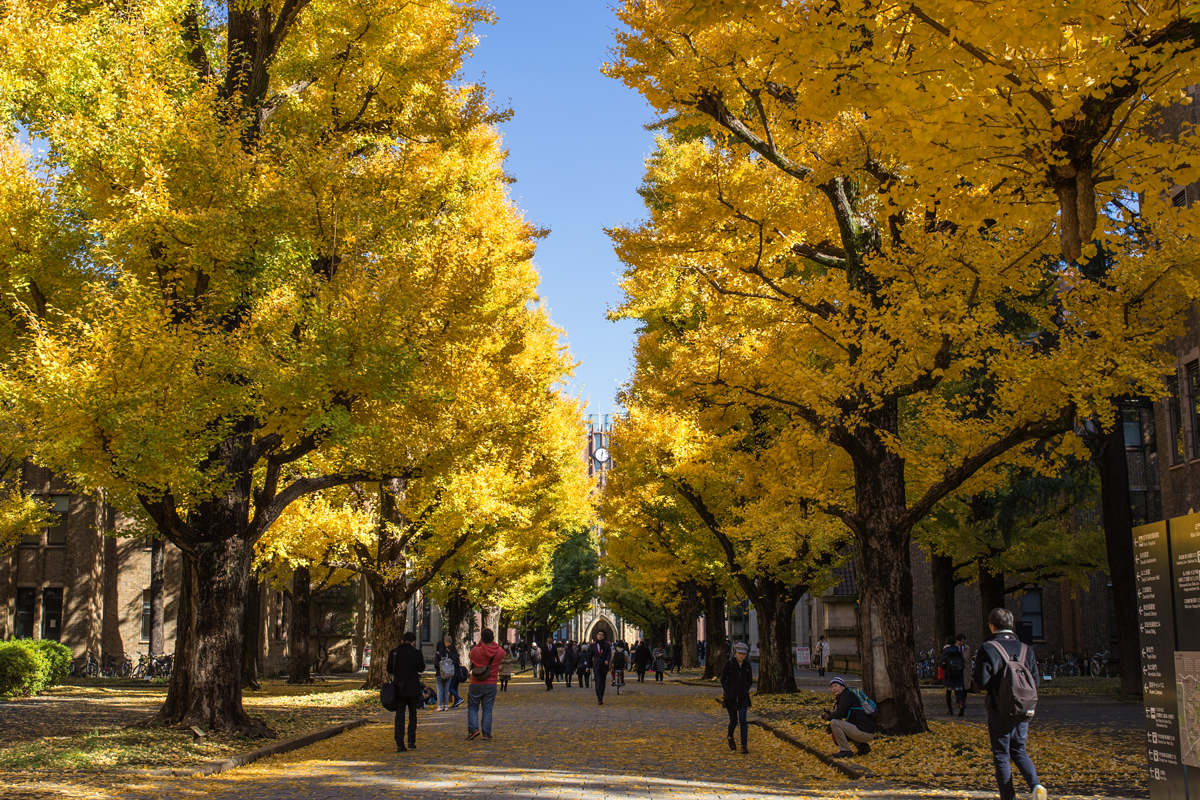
(1185, 575)
(803, 656)
(1156, 625)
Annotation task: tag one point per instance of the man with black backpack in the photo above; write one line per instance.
(1007, 669)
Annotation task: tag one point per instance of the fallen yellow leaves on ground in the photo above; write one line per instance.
(956, 755)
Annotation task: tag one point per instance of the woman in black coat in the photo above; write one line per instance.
(583, 665)
(641, 659)
(736, 679)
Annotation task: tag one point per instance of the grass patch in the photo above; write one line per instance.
(289, 710)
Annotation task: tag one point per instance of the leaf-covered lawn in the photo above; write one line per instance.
(956, 755)
(289, 710)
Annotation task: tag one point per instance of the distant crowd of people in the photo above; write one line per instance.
(1005, 669)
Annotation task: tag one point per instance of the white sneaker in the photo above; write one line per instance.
(1039, 793)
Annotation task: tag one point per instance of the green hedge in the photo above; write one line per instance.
(24, 670)
(59, 656)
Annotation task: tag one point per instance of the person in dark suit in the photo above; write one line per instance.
(601, 658)
(549, 664)
(406, 663)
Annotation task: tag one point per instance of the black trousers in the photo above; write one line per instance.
(412, 704)
(601, 680)
(737, 717)
(641, 671)
(956, 694)
(568, 677)
(550, 679)
(584, 683)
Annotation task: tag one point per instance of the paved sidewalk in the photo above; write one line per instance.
(650, 742)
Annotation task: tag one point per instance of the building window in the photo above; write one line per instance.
(23, 620)
(52, 605)
(1193, 387)
(1175, 417)
(1180, 198)
(1031, 612)
(146, 617)
(426, 620)
(56, 532)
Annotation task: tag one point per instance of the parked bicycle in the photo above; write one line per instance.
(1099, 665)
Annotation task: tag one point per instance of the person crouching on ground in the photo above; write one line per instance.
(735, 680)
(406, 663)
(849, 721)
(485, 670)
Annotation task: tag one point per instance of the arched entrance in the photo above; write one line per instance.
(602, 624)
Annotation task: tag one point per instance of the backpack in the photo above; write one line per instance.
(867, 704)
(1016, 689)
(446, 668)
(619, 659)
(954, 663)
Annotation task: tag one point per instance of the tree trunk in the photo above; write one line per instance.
(775, 607)
(943, 597)
(458, 612)
(715, 637)
(503, 623)
(886, 643)
(209, 695)
(179, 687)
(387, 630)
(299, 657)
(991, 595)
(157, 609)
(490, 618)
(689, 615)
(252, 631)
(1118, 540)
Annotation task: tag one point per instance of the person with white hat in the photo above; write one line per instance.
(736, 679)
(850, 721)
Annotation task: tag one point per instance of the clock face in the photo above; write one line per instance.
(601, 455)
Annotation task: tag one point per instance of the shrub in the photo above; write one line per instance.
(24, 670)
(59, 656)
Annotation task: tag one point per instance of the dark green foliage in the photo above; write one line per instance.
(24, 671)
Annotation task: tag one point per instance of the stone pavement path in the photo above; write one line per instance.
(653, 741)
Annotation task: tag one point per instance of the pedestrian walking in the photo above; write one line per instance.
(535, 657)
(447, 661)
(583, 665)
(485, 660)
(1007, 668)
(549, 664)
(952, 669)
(569, 658)
(659, 657)
(405, 664)
(600, 654)
(641, 659)
(822, 656)
(852, 720)
(677, 656)
(506, 667)
(736, 679)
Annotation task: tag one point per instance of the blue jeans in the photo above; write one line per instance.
(454, 690)
(480, 694)
(1008, 747)
(443, 691)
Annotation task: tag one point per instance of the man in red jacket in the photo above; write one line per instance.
(485, 667)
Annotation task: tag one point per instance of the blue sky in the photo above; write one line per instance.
(577, 148)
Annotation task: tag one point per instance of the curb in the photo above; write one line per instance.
(847, 768)
(242, 759)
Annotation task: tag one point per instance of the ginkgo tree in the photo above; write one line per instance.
(884, 225)
(284, 226)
